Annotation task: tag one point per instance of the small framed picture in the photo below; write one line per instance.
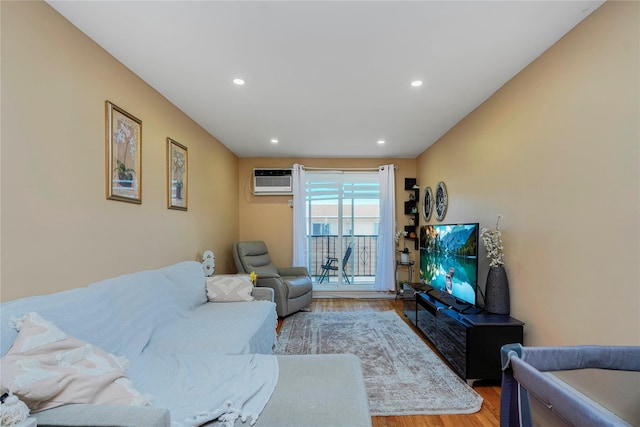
(124, 155)
(178, 175)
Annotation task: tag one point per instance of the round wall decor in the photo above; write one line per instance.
(208, 263)
(427, 204)
(442, 201)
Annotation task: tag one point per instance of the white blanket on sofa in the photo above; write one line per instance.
(148, 318)
(201, 388)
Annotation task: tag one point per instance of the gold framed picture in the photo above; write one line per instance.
(124, 155)
(177, 175)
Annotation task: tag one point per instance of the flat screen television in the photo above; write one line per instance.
(449, 259)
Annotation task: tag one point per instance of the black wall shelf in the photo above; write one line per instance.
(411, 210)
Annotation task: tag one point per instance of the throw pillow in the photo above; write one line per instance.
(229, 288)
(47, 368)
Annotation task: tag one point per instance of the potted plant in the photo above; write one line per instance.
(179, 189)
(404, 253)
(125, 174)
(404, 256)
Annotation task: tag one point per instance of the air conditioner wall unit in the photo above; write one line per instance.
(271, 181)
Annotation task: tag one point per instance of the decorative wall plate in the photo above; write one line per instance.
(427, 204)
(208, 263)
(442, 201)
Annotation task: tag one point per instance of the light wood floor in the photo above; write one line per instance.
(490, 392)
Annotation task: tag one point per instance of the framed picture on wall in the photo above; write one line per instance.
(178, 175)
(124, 155)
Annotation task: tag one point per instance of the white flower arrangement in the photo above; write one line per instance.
(399, 234)
(492, 240)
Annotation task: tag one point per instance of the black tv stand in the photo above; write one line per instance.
(472, 309)
(467, 337)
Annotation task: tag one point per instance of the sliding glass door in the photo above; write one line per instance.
(342, 215)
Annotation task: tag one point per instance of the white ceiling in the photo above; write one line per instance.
(327, 78)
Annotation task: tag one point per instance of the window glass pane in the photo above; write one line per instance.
(343, 210)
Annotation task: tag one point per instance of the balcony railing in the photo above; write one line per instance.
(361, 263)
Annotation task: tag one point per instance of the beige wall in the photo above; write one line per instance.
(269, 218)
(58, 229)
(556, 151)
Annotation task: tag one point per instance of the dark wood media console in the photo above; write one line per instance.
(466, 336)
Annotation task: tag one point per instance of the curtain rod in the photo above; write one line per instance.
(342, 169)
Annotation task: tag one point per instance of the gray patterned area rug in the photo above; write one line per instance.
(403, 376)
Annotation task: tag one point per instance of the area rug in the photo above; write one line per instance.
(403, 376)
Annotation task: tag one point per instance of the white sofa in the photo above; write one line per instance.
(198, 360)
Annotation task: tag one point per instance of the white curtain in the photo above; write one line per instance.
(299, 215)
(385, 263)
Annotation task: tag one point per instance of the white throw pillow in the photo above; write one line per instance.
(229, 288)
(47, 368)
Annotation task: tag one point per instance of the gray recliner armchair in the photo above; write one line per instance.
(292, 286)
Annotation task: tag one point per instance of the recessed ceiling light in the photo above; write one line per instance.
(416, 83)
(274, 141)
(239, 82)
(381, 141)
